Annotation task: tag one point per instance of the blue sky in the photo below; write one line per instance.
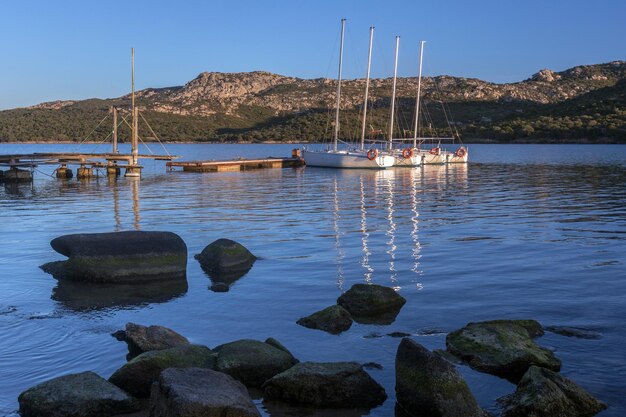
(79, 49)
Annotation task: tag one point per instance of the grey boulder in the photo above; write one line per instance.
(544, 393)
(225, 260)
(147, 338)
(194, 392)
(78, 395)
(501, 347)
(253, 362)
(370, 303)
(427, 385)
(334, 384)
(137, 375)
(120, 257)
(334, 319)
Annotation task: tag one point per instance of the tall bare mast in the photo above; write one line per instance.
(393, 95)
(367, 88)
(336, 136)
(134, 140)
(114, 109)
(417, 101)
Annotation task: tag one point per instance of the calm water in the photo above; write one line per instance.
(523, 232)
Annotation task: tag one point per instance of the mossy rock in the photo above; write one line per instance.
(226, 260)
(334, 384)
(544, 393)
(334, 319)
(371, 303)
(501, 347)
(253, 362)
(142, 339)
(428, 385)
(137, 375)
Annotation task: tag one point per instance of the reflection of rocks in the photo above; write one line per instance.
(85, 395)
(428, 385)
(253, 362)
(370, 303)
(195, 392)
(543, 393)
(501, 347)
(334, 319)
(121, 257)
(336, 384)
(148, 338)
(81, 296)
(137, 375)
(225, 259)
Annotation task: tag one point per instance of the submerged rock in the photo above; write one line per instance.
(147, 338)
(252, 362)
(226, 260)
(137, 375)
(576, 332)
(194, 392)
(370, 303)
(337, 384)
(428, 385)
(501, 347)
(120, 257)
(544, 393)
(334, 319)
(78, 395)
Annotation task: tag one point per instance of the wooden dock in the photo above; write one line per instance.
(236, 164)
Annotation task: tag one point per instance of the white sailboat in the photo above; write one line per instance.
(336, 158)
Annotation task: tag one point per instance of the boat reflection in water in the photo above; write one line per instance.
(379, 212)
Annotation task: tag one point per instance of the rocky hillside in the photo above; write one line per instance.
(581, 103)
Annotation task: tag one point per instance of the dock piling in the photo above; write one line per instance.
(63, 172)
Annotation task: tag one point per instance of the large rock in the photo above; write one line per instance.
(195, 392)
(544, 393)
(121, 257)
(339, 384)
(77, 395)
(147, 338)
(137, 375)
(370, 303)
(427, 385)
(252, 362)
(501, 347)
(226, 260)
(334, 319)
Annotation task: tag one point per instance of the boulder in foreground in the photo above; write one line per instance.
(544, 393)
(427, 385)
(194, 392)
(333, 384)
(370, 303)
(78, 395)
(251, 361)
(120, 257)
(137, 375)
(501, 347)
(334, 319)
(226, 260)
(142, 339)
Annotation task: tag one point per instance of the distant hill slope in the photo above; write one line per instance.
(581, 103)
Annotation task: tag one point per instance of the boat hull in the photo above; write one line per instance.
(413, 161)
(346, 159)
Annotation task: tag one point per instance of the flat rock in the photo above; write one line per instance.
(120, 257)
(337, 384)
(501, 347)
(137, 375)
(576, 332)
(544, 393)
(78, 395)
(147, 338)
(428, 385)
(194, 392)
(251, 361)
(370, 303)
(225, 260)
(334, 319)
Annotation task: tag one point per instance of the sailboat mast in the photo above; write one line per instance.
(367, 87)
(393, 95)
(336, 136)
(417, 101)
(134, 140)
